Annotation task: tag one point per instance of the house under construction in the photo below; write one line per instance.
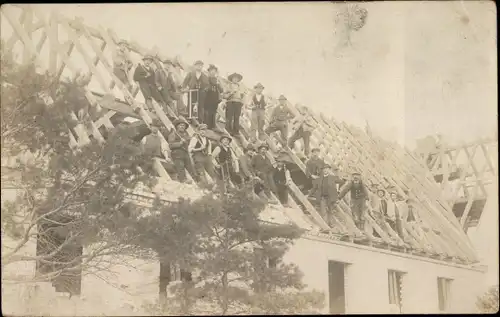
(435, 269)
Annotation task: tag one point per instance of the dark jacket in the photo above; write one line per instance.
(327, 187)
(141, 73)
(357, 191)
(261, 165)
(178, 142)
(314, 166)
(193, 83)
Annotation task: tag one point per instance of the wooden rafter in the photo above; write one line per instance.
(341, 143)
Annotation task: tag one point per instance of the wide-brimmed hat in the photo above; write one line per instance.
(356, 173)
(259, 85)
(180, 121)
(381, 190)
(212, 66)
(326, 166)
(315, 150)
(225, 136)
(148, 56)
(202, 126)
(198, 63)
(263, 145)
(236, 76)
(282, 98)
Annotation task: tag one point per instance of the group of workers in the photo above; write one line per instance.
(200, 156)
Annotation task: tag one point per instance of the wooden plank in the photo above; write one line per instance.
(468, 206)
(488, 159)
(30, 55)
(9, 45)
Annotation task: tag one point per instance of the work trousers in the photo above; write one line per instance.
(258, 119)
(358, 212)
(396, 225)
(301, 134)
(182, 163)
(150, 92)
(233, 113)
(227, 173)
(210, 115)
(203, 163)
(327, 209)
(268, 183)
(282, 126)
(282, 193)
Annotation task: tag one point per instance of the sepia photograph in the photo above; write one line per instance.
(249, 158)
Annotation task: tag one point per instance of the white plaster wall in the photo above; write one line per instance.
(367, 281)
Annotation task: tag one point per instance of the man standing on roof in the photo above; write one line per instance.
(263, 168)
(172, 88)
(359, 196)
(303, 132)
(178, 140)
(279, 119)
(145, 76)
(122, 64)
(282, 179)
(247, 172)
(164, 84)
(258, 107)
(200, 148)
(154, 146)
(226, 163)
(198, 82)
(213, 97)
(396, 212)
(313, 168)
(234, 103)
(327, 194)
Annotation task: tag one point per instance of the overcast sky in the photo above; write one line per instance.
(414, 69)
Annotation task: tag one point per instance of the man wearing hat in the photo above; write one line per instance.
(282, 179)
(258, 107)
(234, 103)
(122, 64)
(303, 132)
(326, 193)
(213, 97)
(144, 75)
(263, 168)
(397, 210)
(226, 162)
(247, 172)
(165, 84)
(359, 195)
(200, 148)
(279, 119)
(196, 83)
(313, 168)
(171, 87)
(178, 140)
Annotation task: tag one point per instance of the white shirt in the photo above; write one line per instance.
(195, 139)
(258, 97)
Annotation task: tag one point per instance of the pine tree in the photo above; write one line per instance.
(66, 199)
(236, 258)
